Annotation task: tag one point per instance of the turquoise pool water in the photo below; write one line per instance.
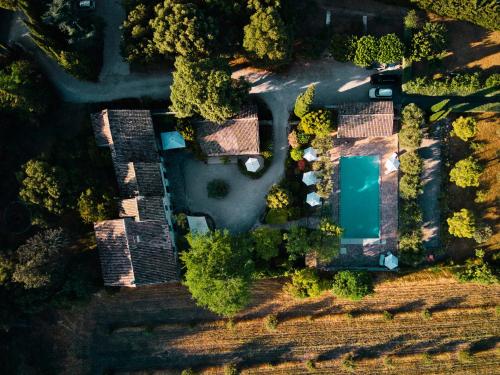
(360, 196)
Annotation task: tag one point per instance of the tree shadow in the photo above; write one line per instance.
(484, 344)
(446, 304)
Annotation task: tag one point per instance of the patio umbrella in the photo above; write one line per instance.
(310, 154)
(392, 164)
(172, 140)
(391, 261)
(197, 224)
(313, 199)
(309, 178)
(252, 164)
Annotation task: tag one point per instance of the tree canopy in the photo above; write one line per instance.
(366, 51)
(205, 87)
(266, 36)
(352, 284)
(429, 42)
(411, 163)
(218, 271)
(465, 128)
(319, 123)
(303, 103)
(267, 242)
(462, 224)
(466, 172)
(390, 49)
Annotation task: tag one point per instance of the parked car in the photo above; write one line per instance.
(86, 4)
(384, 79)
(380, 93)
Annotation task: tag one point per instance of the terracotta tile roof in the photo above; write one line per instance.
(143, 208)
(135, 253)
(237, 136)
(362, 120)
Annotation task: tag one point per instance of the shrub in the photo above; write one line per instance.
(352, 284)
(296, 154)
(217, 189)
(464, 356)
(305, 283)
(388, 316)
(297, 242)
(493, 80)
(458, 85)
(93, 208)
(411, 163)
(304, 102)
(188, 371)
(410, 216)
(343, 47)
(348, 362)
(410, 137)
(390, 49)
(462, 224)
(267, 242)
(477, 270)
(293, 139)
(481, 196)
(278, 197)
(366, 51)
(426, 314)
(277, 216)
(465, 128)
(231, 369)
(411, 20)
(303, 138)
(411, 243)
(409, 186)
(483, 234)
(318, 123)
(429, 42)
(271, 322)
(310, 365)
(466, 172)
(412, 115)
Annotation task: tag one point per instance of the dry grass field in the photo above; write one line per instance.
(159, 330)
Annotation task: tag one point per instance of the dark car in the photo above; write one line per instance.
(384, 79)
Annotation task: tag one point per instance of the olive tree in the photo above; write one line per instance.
(462, 224)
(390, 49)
(366, 51)
(465, 128)
(466, 172)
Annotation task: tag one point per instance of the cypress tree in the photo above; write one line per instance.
(304, 101)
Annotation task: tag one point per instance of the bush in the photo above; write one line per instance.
(409, 186)
(411, 163)
(188, 371)
(296, 154)
(267, 242)
(477, 270)
(412, 20)
(303, 104)
(492, 81)
(297, 243)
(465, 128)
(462, 224)
(93, 208)
(366, 51)
(412, 115)
(458, 85)
(293, 139)
(426, 314)
(481, 196)
(231, 369)
(411, 243)
(483, 234)
(429, 42)
(348, 362)
(410, 137)
(278, 197)
(410, 216)
(352, 284)
(217, 189)
(466, 173)
(310, 365)
(388, 316)
(464, 356)
(305, 283)
(271, 322)
(343, 47)
(390, 49)
(318, 123)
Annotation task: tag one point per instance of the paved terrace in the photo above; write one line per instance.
(368, 255)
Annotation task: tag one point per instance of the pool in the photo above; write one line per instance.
(360, 197)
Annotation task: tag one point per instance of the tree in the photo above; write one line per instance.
(343, 47)
(411, 20)
(411, 163)
(218, 271)
(303, 103)
(297, 243)
(465, 128)
(429, 42)
(296, 154)
(366, 51)
(43, 185)
(412, 115)
(40, 261)
(352, 284)
(205, 87)
(266, 36)
(478, 270)
(410, 137)
(325, 242)
(390, 49)
(278, 197)
(23, 89)
(462, 224)
(93, 208)
(466, 172)
(182, 29)
(9, 4)
(137, 35)
(411, 216)
(267, 242)
(318, 123)
(305, 283)
(6, 268)
(409, 186)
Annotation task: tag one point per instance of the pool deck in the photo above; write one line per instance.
(368, 255)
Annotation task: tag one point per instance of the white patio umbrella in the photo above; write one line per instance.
(198, 224)
(392, 164)
(172, 140)
(252, 164)
(391, 261)
(309, 178)
(310, 154)
(313, 199)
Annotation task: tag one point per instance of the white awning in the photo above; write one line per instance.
(252, 164)
(391, 261)
(172, 140)
(310, 154)
(313, 199)
(392, 164)
(198, 224)
(309, 178)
